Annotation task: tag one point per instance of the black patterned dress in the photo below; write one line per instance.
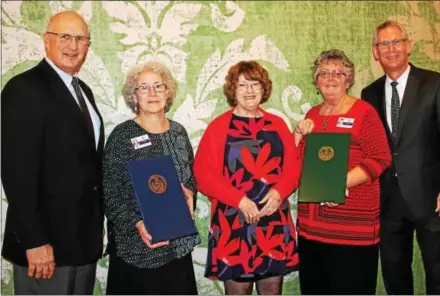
(237, 250)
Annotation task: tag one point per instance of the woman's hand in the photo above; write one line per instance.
(249, 210)
(329, 204)
(273, 202)
(189, 196)
(332, 204)
(146, 237)
(303, 127)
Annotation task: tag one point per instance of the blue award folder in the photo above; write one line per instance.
(161, 199)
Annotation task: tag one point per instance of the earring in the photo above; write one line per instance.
(136, 108)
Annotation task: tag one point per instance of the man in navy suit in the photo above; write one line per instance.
(52, 138)
(408, 100)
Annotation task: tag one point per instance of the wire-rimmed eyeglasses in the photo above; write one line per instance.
(145, 89)
(241, 87)
(67, 38)
(327, 74)
(396, 43)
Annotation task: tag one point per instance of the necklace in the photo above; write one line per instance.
(327, 119)
(324, 124)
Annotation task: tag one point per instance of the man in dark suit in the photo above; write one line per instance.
(52, 138)
(408, 101)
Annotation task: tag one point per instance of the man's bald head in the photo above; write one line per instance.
(63, 17)
(65, 51)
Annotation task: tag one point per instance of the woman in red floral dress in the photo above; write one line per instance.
(247, 165)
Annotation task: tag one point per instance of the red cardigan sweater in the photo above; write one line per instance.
(208, 162)
(357, 221)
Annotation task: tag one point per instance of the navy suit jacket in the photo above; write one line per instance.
(416, 154)
(50, 170)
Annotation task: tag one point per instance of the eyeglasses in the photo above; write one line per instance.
(396, 43)
(327, 74)
(145, 89)
(244, 86)
(66, 38)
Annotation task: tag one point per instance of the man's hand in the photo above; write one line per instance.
(146, 237)
(438, 204)
(189, 196)
(41, 262)
(273, 202)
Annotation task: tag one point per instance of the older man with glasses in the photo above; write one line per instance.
(52, 139)
(407, 99)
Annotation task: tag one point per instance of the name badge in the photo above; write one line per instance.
(345, 122)
(141, 142)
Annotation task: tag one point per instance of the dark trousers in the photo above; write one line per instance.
(396, 247)
(330, 269)
(67, 280)
(174, 278)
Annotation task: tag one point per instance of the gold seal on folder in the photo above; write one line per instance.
(157, 184)
(326, 153)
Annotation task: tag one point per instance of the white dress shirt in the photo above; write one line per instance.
(401, 85)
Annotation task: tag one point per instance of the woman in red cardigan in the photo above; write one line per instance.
(247, 165)
(338, 244)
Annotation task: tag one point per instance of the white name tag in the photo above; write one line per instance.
(345, 122)
(141, 142)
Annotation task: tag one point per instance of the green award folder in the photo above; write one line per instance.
(325, 167)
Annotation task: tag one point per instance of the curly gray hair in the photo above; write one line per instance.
(335, 55)
(129, 88)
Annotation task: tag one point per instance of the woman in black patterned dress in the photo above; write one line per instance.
(136, 265)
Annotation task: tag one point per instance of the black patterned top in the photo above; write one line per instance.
(120, 204)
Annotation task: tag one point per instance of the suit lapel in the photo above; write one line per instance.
(381, 105)
(408, 100)
(63, 94)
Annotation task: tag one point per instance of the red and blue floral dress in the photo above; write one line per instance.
(253, 162)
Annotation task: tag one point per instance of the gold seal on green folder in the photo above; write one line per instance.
(325, 167)
(326, 153)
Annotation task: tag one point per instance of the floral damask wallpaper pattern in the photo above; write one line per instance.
(199, 41)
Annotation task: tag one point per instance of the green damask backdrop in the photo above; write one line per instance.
(199, 41)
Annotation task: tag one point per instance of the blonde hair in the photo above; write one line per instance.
(129, 88)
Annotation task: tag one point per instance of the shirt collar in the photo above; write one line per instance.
(67, 78)
(401, 80)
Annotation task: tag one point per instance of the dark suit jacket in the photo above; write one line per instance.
(416, 154)
(50, 170)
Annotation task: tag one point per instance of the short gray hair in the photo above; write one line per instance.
(129, 88)
(334, 55)
(390, 23)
